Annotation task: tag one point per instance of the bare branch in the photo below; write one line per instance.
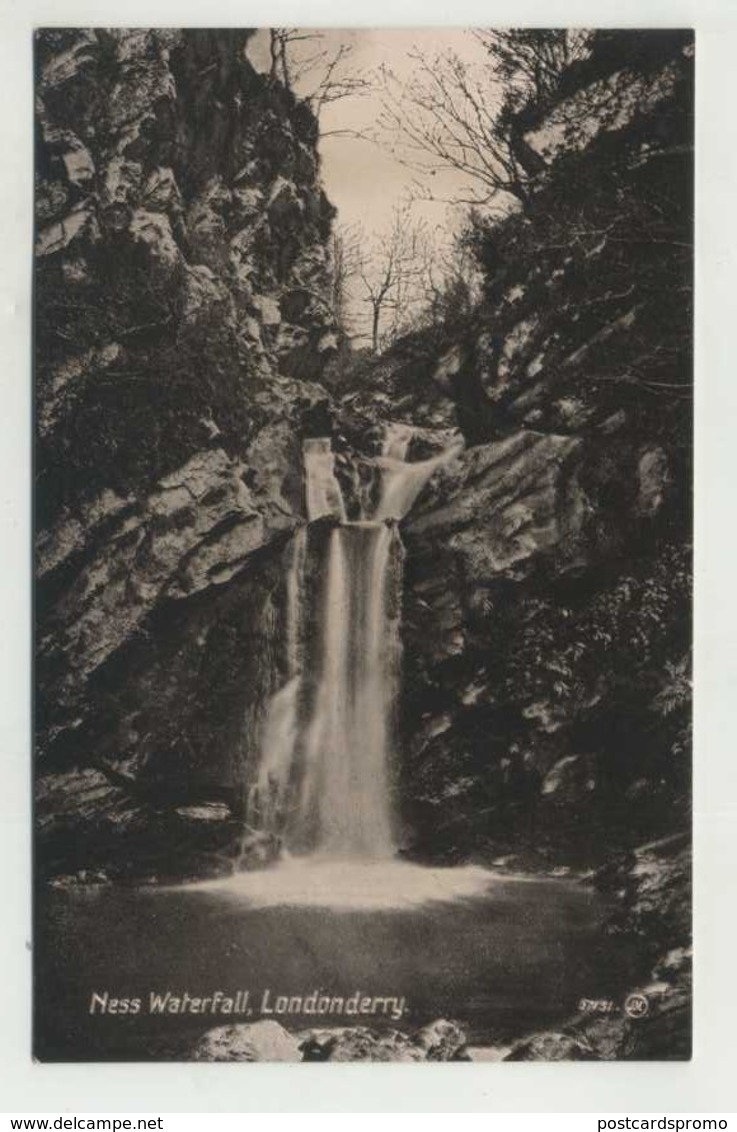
(391, 270)
(319, 76)
(452, 116)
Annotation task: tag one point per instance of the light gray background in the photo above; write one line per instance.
(706, 1085)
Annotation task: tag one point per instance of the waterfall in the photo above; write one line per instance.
(344, 805)
(397, 439)
(401, 483)
(324, 496)
(324, 777)
(279, 733)
(295, 574)
(327, 734)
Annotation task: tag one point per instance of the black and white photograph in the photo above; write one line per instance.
(363, 517)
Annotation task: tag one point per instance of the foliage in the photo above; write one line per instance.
(675, 694)
(531, 61)
(564, 648)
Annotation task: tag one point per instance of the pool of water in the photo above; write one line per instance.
(501, 955)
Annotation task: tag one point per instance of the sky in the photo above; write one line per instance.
(363, 180)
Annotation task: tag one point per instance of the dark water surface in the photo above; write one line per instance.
(517, 955)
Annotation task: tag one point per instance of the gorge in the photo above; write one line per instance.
(247, 531)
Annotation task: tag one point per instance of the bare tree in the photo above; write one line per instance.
(390, 273)
(450, 283)
(300, 59)
(280, 41)
(447, 118)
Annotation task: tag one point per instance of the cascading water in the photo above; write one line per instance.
(401, 483)
(267, 796)
(324, 778)
(324, 497)
(343, 807)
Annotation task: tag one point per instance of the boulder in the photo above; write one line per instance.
(438, 1041)
(551, 1046)
(195, 530)
(255, 1041)
(442, 1041)
(502, 504)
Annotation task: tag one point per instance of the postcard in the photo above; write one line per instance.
(363, 505)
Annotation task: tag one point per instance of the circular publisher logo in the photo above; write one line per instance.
(636, 1005)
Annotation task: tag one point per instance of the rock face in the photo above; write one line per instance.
(650, 892)
(87, 824)
(549, 642)
(181, 269)
(548, 569)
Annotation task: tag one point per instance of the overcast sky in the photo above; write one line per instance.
(363, 180)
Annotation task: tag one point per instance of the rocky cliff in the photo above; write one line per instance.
(180, 287)
(547, 604)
